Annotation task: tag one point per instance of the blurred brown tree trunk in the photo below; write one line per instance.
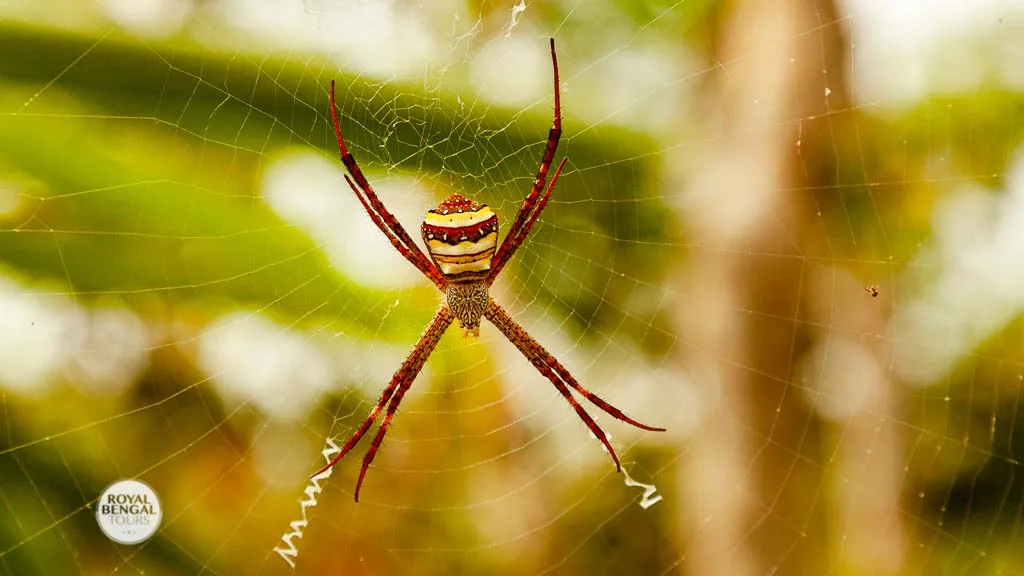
(758, 481)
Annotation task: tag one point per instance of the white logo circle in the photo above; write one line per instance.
(128, 512)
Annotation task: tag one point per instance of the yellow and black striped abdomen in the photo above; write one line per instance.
(461, 236)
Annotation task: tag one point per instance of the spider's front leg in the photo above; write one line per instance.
(531, 208)
(394, 392)
(516, 238)
(379, 214)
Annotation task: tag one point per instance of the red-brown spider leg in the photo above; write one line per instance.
(554, 134)
(412, 365)
(438, 280)
(380, 215)
(525, 230)
(542, 360)
(430, 272)
(594, 398)
(406, 373)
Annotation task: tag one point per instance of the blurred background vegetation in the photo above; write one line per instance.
(191, 296)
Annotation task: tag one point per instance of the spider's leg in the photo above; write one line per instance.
(395, 241)
(517, 241)
(509, 245)
(564, 373)
(557, 374)
(518, 336)
(385, 220)
(412, 366)
(400, 381)
(593, 398)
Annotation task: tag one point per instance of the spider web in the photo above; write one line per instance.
(191, 296)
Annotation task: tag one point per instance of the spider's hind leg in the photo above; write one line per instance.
(395, 390)
(557, 374)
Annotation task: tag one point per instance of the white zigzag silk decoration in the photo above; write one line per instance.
(289, 552)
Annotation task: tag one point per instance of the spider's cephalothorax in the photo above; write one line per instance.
(468, 301)
(461, 237)
(462, 241)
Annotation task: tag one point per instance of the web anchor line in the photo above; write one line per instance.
(289, 552)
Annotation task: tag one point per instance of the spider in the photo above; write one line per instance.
(461, 237)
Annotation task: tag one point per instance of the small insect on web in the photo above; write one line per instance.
(461, 236)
